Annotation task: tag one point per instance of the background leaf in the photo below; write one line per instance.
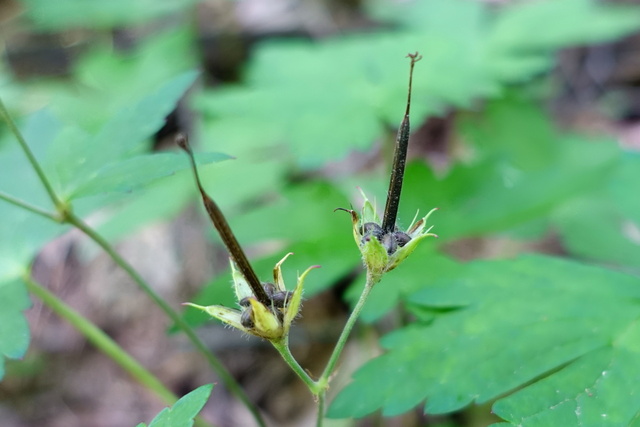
(14, 329)
(78, 13)
(135, 172)
(73, 161)
(322, 113)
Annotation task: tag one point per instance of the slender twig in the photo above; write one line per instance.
(104, 343)
(29, 207)
(285, 352)
(217, 366)
(321, 399)
(323, 381)
(399, 160)
(229, 239)
(32, 159)
(101, 340)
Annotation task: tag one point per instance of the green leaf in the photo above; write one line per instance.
(621, 186)
(14, 329)
(556, 324)
(323, 99)
(593, 228)
(512, 131)
(106, 80)
(256, 171)
(605, 225)
(135, 172)
(143, 207)
(65, 14)
(182, 413)
(74, 158)
(565, 22)
(488, 197)
(294, 98)
(599, 388)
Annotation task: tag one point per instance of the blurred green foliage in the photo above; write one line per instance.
(481, 330)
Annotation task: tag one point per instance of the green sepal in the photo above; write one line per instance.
(374, 256)
(293, 308)
(265, 323)
(226, 315)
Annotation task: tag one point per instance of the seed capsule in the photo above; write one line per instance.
(371, 229)
(244, 302)
(401, 237)
(281, 298)
(389, 243)
(269, 288)
(245, 319)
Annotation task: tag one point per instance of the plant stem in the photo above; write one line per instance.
(321, 399)
(32, 159)
(29, 207)
(323, 381)
(101, 340)
(285, 352)
(319, 387)
(104, 343)
(217, 366)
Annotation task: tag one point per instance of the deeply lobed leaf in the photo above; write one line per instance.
(534, 317)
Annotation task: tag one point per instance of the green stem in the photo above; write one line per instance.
(323, 381)
(32, 159)
(101, 340)
(285, 352)
(319, 387)
(321, 399)
(29, 207)
(104, 343)
(217, 366)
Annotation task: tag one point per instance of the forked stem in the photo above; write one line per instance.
(60, 206)
(285, 352)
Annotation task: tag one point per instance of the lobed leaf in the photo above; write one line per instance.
(135, 172)
(74, 160)
(534, 319)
